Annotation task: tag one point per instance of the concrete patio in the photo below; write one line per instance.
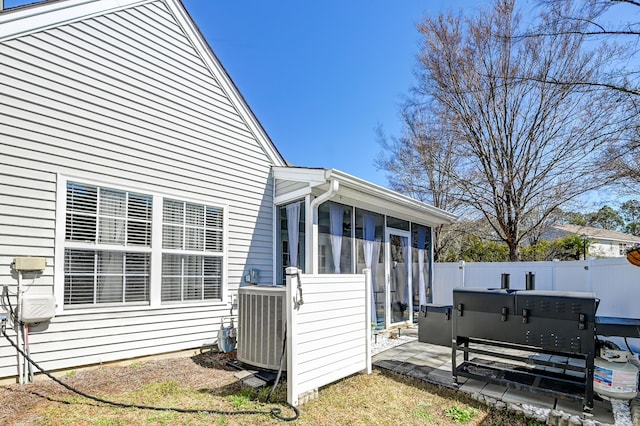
(432, 363)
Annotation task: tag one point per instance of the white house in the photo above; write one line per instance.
(602, 242)
(133, 168)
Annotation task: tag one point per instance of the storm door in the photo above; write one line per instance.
(399, 300)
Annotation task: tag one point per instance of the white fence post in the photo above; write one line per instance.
(461, 275)
(367, 285)
(291, 306)
(589, 267)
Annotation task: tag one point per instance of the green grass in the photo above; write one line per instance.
(423, 412)
(377, 399)
(460, 414)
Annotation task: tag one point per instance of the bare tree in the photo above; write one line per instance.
(623, 76)
(523, 146)
(419, 164)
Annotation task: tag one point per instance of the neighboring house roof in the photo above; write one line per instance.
(21, 21)
(362, 193)
(592, 232)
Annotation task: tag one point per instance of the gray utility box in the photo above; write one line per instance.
(435, 325)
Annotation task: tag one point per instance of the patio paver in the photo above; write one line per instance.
(432, 363)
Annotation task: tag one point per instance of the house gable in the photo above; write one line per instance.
(127, 97)
(152, 44)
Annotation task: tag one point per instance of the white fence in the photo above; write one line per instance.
(614, 280)
(328, 329)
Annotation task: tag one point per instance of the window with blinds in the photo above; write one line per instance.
(107, 246)
(108, 250)
(192, 243)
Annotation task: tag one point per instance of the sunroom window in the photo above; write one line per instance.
(421, 268)
(291, 237)
(334, 238)
(107, 246)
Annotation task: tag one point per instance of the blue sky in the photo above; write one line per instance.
(320, 76)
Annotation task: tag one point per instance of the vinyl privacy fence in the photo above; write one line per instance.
(614, 281)
(328, 329)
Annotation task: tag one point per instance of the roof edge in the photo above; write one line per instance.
(316, 177)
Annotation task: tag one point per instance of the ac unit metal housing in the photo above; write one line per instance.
(261, 326)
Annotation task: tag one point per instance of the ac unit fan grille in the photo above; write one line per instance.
(261, 327)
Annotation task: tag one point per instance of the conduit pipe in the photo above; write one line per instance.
(334, 185)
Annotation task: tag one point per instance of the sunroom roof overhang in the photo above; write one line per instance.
(296, 182)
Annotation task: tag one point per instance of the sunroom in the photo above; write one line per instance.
(329, 222)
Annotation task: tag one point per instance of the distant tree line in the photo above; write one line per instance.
(473, 241)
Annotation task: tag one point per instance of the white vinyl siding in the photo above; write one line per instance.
(126, 100)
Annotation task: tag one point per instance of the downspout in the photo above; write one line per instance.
(312, 214)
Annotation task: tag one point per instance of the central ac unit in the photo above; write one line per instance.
(261, 326)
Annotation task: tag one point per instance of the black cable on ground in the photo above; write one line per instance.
(284, 349)
(275, 412)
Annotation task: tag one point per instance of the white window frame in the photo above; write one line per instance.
(187, 252)
(155, 281)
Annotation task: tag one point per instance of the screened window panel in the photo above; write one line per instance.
(194, 215)
(79, 262)
(137, 277)
(79, 282)
(107, 216)
(137, 288)
(213, 288)
(82, 198)
(213, 266)
(137, 264)
(139, 207)
(192, 265)
(78, 290)
(214, 240)
(192, 288)
(215, 218)
(173, 212)
(213, 278)
(171, 289)
(172, 237)
(138, 233)
(93, 276)
(171, 265)
(194, 239)
(112, 202)
(80, 227)
(110, 289)
(191, 277)
(139, 213)
(110, 263)
(112, 231)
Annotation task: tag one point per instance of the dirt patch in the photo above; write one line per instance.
(206, 370)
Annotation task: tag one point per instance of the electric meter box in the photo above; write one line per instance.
(37, 308)
(28, 263)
